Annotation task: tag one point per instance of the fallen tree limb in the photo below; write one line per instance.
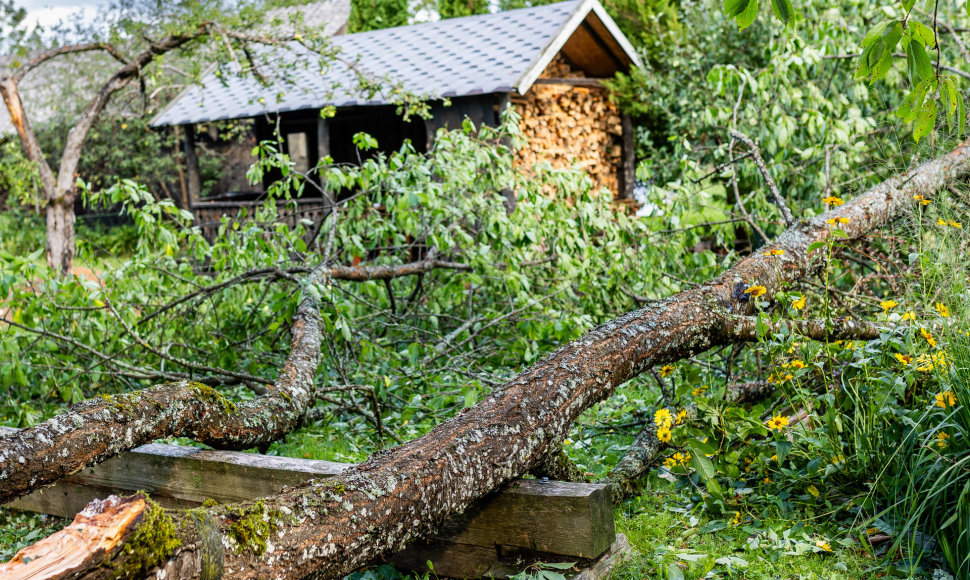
(99, 428)
(331, 528)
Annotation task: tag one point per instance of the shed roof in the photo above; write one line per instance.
(488, 53)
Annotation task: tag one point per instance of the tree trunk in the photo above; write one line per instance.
(330, 528)
(60, 233)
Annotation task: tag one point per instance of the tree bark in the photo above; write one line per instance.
(330, 528)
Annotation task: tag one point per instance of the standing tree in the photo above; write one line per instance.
(139, 38)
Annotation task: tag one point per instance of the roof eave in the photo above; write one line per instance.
(556, 45)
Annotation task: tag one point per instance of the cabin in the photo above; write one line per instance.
(549, 61)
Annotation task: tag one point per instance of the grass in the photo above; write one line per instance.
(667, 535)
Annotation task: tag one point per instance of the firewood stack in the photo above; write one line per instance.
(568, 125)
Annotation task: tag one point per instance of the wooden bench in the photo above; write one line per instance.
(527, 520)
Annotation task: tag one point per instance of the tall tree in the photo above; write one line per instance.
(141, 36)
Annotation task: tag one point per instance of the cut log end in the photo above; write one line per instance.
(95, 532)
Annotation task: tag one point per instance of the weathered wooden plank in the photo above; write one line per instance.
(572, 519)
(557, 517)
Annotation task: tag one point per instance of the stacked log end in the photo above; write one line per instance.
(568, 125)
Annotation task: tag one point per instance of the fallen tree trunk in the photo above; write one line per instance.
(331, 528)
(100, 428)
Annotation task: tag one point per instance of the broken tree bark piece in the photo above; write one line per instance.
(95, 531)
(330, 528)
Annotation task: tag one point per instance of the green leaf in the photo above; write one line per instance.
(703, 465)
(875, 33)
(922, 34)
(961, 117)
(925, 121)
(908, 5)
(924, 68)
(783, 10)
(747, 18)
(816, 246)
(673, 572)
(782, 449)
(733, 8)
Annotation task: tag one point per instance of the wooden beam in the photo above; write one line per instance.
(627, 169)
(568, 519)
(192, 164)
(577, 82)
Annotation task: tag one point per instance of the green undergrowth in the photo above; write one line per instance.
(675, 539)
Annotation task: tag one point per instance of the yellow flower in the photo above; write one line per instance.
(775, 253)
(941, 438)
(774, 458)
(921, 199)
(567, 442)
(799, 304)
(945, 399)
(663, 418)
(823, 545)
(837, 459)
(124, 125)
(924, 363)
(766, 480)
(778, 422)
(909, 315)
(681, 415)
(872, 531)
(832, 200)
(929, 337)
(663, 433)
(849, 345)
(888, 305)
(837, 220)
(798, 364)
(954, 224)
(699, 391)
(905, 359)
(756, 291)
(681, 458)
(666, 370)
(941, 222)
(812, 490)
(943, 310)
(737, 519)
(670, 463)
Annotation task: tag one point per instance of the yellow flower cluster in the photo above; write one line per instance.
(699, 391)
(943, 310)
(837, 221)
(909, 316)
(799, 304)
(951, 223)
(780, 378)
(921, 199)
(832, 200)
(737, 519)
(778, 422)
(945, 399)
(941, 438)
(775, 253)
(929, 337)
(677, 459)
(666, 371)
